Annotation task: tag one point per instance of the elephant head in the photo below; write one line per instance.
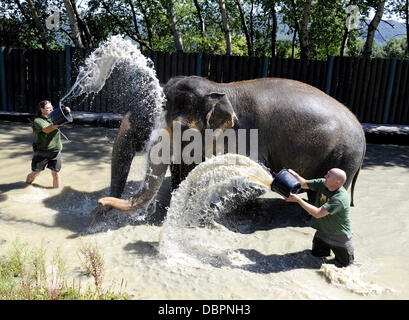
(197, 104)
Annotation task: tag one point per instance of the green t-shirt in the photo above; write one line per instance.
(46, 141)
(337, 203)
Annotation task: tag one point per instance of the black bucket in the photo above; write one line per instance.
(60, 116)
(285, 183)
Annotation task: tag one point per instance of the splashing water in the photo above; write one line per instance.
(211, 190)
(143, 91)
(351, 278)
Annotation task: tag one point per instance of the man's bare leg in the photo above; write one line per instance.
(56, 179)
(31, 176)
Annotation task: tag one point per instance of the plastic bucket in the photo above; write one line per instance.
(285, 183)
(60, 116)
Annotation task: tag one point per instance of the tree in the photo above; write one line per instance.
(239, 27)
(395, 48)
(303, 30)
(401, 8)
(226, 27)
(75, 30)
(174, 26)
(373, 25)
(34, 20)
(200, 16)
(273, 28)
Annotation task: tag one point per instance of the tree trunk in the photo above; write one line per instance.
(84, 30)
(367, 51)
(273, 30)
(293, 45)
(407, 25)
(345, 37)
(344, 42)
(147, 23)
(303, 32)
(125, 29)
(199, 15)
(173, 25)
(38, 26)
(75, 31)
(245, 30)
(252, 25)
(226, 27)
(135, 22)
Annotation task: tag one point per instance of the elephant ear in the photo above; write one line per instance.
(219, 111)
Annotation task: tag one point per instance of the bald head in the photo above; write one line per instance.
(335, 179)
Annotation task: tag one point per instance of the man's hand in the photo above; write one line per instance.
(293, 198)
(292, 172)
(303, 182)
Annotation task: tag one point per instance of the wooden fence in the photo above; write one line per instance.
(375, 90)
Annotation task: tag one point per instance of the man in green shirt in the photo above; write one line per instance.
(48, 145)
(330, 215)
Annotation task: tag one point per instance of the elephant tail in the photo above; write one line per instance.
(353, 187)
(356, 176)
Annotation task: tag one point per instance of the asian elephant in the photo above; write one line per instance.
(299, 127)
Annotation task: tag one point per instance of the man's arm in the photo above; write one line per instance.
(312, 210)
(303, 182)
(50, 128)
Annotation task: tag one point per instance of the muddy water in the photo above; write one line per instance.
(261, 253)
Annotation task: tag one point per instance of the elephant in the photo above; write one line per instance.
(299, 127)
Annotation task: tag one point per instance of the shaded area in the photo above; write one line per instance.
(142, 248)
(259, 263)
(386, 155)
(70, 200)
(265, 214)
(280, 262)
(73, 207)
(6, 187)
(85, 141)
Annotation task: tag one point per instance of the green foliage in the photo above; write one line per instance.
(25, 275)
(394, 48)
(147, 22)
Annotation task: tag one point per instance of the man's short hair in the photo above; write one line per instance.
(41, 105)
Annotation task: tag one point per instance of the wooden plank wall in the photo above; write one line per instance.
(33, 75)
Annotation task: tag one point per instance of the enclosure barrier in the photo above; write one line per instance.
(375, 90)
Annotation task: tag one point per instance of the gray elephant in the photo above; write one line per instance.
(299, 127)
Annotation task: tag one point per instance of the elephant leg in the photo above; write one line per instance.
(122, 155)
(179, 173)
(153, 180)
(175, 174)
(123, 152)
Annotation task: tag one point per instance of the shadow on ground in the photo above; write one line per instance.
(6, 187)
(386, 156)
(83, 142)
(258, 262)
(280, 262)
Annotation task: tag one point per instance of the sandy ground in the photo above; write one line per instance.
(380, 223)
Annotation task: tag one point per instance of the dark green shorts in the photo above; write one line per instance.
(46, 158)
